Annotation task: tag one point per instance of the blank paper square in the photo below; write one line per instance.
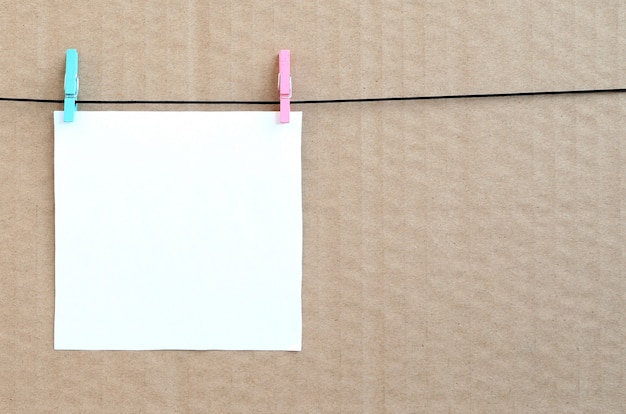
(178, 230)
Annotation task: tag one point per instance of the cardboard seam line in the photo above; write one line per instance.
(323, 101)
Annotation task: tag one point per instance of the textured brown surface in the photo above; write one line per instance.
(459, 256)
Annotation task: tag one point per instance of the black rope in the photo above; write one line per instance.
(324, 101)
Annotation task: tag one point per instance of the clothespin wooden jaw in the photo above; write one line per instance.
(71, 85)
(284, 84)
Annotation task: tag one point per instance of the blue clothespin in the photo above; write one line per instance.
(71, 85)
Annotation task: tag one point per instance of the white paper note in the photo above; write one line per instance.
(178, 230)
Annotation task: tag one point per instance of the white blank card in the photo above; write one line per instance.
(178, 230)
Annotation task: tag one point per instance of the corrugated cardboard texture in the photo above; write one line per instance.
(459, 256)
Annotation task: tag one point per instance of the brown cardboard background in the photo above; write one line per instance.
(459, 256)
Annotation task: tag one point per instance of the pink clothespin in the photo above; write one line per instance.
(284, 84)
